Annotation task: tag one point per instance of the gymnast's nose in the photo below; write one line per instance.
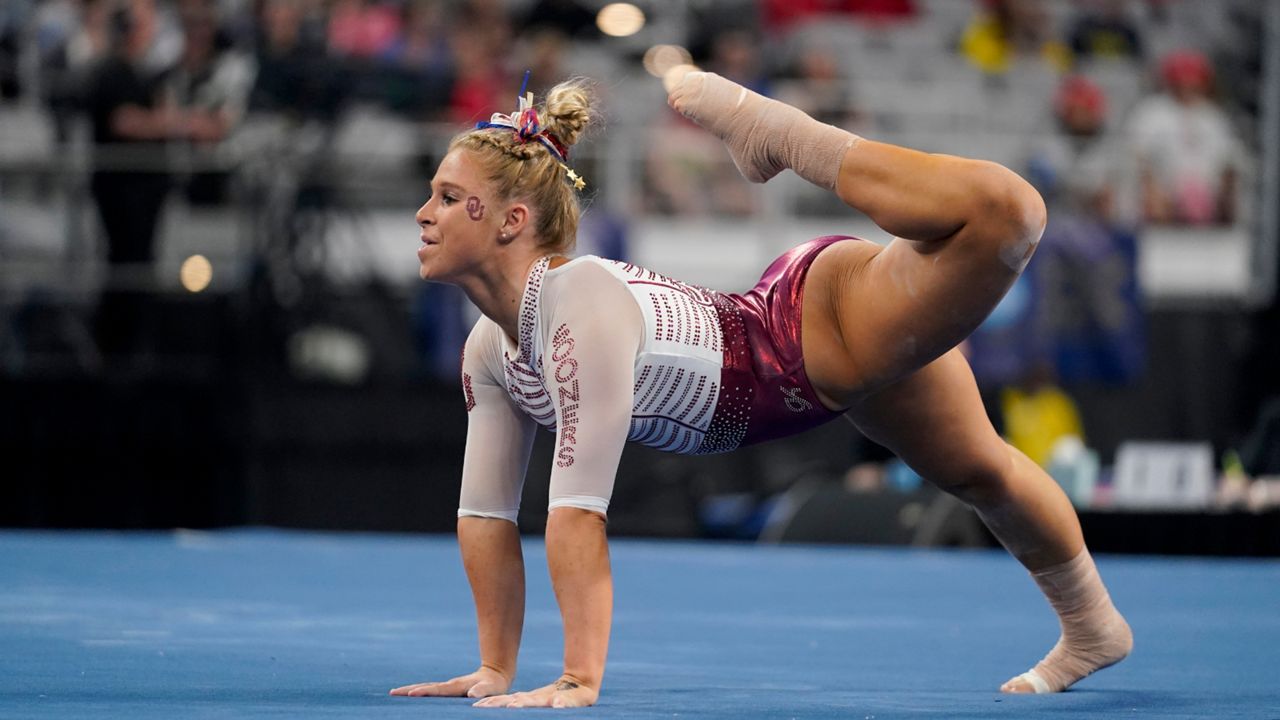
(424, 216)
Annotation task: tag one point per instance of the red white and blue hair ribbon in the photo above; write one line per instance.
(526, 124)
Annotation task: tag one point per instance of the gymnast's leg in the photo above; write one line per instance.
(879, 322)
(965, 229)
(934, 420)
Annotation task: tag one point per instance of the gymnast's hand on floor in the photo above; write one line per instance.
(563, 693)
(481, 683)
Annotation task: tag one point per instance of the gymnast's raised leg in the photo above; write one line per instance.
(880, 325)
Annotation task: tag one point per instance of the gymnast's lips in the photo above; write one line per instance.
(426, 243)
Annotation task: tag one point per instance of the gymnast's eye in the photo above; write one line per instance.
(448, 199)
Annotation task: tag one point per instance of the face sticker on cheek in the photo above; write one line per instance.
(475, 210)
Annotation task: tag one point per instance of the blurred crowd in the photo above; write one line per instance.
(1172, 82)
(1139, 111)
(428, 59)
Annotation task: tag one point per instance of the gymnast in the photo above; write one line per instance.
(603, 352)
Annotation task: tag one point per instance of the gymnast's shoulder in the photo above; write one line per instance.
(587, 280)
(482, 352)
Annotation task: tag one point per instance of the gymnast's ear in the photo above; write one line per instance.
(515, 220)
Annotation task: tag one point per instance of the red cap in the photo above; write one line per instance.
(1080, 91)
(1185, 67)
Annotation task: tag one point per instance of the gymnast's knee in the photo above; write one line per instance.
(981, 478)
(1005, 218)
(1022, 218)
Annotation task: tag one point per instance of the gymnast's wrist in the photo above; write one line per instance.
(574, 680)
(506, 672)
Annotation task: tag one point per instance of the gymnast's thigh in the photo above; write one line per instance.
(827, 361)
(898, 308)
(934, 420)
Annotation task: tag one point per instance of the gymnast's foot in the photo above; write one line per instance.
(764, 136)
(563, 693)
(1094, 634)
(1077, 657)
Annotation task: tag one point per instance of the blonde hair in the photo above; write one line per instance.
(528, 171)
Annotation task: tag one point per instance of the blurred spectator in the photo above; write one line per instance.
(1089, 322)
(782, 15)
(1188, 155)
(543, 56)
(1074, 168)
(689, 171)
(13, 18)
(424, 44)
(418, 67)
(817, 86)
(1003, 31)
(1105, 30)
(482, 44)
(483, 78)
(129, 183)
(294, 76)
(1037, 415)
(92, 36)
(57, 23)
(211, 87)
(238, 22)
(1074, 315)
(735, 54)
(363, 29)
(570, 17)
(491, 21)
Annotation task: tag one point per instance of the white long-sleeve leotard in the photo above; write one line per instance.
(607, 352)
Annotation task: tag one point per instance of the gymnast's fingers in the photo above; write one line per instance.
(498, 701)
(456, 687)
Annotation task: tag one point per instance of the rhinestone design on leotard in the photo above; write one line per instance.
(523, 373)
(467, 392)
(733, 408)
(689, 395)
(678, 370)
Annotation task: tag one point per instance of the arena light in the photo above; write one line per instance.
(661, 58)
(196, 273)
(620, 19)
(674, 75)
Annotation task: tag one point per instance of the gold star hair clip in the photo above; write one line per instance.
(578, 183)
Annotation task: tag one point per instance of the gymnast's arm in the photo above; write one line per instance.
(589, 368)
(499, 438)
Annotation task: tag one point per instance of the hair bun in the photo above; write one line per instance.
(568, 110)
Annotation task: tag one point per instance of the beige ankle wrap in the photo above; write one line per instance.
(1094, 634)
(763, 136)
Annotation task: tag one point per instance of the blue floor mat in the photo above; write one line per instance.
(273, 624)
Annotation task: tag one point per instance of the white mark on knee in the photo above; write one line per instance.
(1018, 253)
